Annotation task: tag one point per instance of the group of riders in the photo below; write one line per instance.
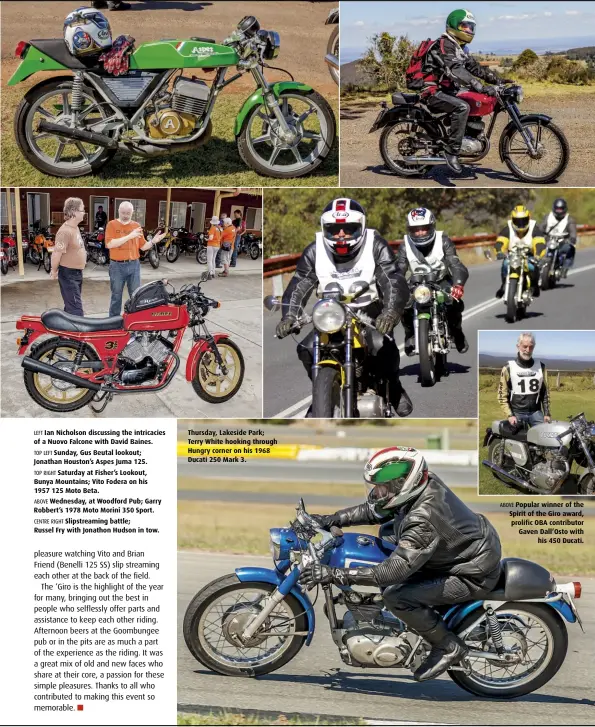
(347, 255)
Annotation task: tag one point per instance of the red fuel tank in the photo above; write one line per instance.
(480, 103)
(160, 318)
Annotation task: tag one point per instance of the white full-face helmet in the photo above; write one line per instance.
(343, 224)
(86, 32)
(421, 227)
(394, 476)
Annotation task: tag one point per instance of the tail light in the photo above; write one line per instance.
(578, 589)
(21, 48)
(100, 237)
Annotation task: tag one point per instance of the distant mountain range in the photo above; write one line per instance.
(497, 360)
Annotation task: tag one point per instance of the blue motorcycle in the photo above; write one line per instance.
(255, 620)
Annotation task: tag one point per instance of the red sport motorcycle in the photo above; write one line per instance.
(8, 251)
(90, 360)
(532, 147)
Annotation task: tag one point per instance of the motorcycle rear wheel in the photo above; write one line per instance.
(47, 261)
(254, 252)
(531, 615)
(402, 169)
(511, 304)
(4, 266)
(587, 486)
(34, 257)
(493, 453)
(201, 256)
(327, 394)
(209, 382)
(545, 276)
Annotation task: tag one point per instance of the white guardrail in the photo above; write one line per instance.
(453, 457)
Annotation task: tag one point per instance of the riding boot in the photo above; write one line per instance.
(452, 162)
(447, 650)
(399, 399)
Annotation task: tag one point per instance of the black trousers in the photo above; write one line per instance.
(71, 286)
(458, 111)
(412, 600)
(454, 313)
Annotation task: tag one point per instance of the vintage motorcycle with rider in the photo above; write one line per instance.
(114, 96)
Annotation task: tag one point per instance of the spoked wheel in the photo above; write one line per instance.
(201, 256)
(55, 394)
(34, 256)
(397, 142)
(549, 160)
(497, 455)
(47, 261)
(327, 394)
(172, 253)
(210, 382)
(428, 373)
(587, 485)
(154, 258)
(263, 148)
(4, 265)
(217, 616)
(254, 251)
(535, 641)
(56, 155)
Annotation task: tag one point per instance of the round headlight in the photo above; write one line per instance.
(422, 294)
(275, 546)
(519, 94)
(328, 316)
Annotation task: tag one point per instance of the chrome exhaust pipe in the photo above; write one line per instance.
(91, 137)
(38, 367)
(424, 160)
(332, 61)
(517, 480)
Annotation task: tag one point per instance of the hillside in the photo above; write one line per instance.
(353, 75)
(487, 360)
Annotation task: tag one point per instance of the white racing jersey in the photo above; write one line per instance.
(554, 226)
(347, 276)
(525, 382)
(516, 241)
(419, 263)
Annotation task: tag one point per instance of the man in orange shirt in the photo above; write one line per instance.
(228, 237)
(124, 239)
(213, 245)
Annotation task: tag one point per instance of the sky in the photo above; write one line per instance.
(561, 344)
(500, 25)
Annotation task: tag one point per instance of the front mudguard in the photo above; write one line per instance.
(511, 126)
(196, 351)
(387, 116)
(33, 62)
(257, 99)
(266, 575)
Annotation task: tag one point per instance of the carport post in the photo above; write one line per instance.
(9, 210)
(17, 208)
(167, 206)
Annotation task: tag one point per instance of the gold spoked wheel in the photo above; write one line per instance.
(210, 382)
(55, 394)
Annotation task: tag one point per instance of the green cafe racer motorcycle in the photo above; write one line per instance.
(72, 125)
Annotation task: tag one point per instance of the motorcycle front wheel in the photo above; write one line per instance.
(254, 252)
(545, 276)
(511, 304)
(552, 156)
(262, 149)
(210, 383)
(4, 266)
(172, 253)
(533, 632)
(201, 256)
(47, 261)
(427, 359)
(34, 257)
(59, 156)
(154, 258)
(332, 48)
(327, 394)
(217, 616)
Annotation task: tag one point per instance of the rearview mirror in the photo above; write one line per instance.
(272, 303)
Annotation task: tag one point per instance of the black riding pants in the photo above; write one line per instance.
(458, 111)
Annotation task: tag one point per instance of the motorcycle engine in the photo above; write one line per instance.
(178, 112)
(141, 358)
(471, 146)
(550, 475)
(382, 643)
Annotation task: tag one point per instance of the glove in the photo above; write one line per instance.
(490, 90)
(316, 574)
(500, 256)
(386, 321)
(457, 292)
(326, 521)
(285, 326)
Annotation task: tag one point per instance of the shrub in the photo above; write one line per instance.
(524, 59)
(387, 59)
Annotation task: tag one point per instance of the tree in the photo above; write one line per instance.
(506, 62)
(387, 58)
(527, 57)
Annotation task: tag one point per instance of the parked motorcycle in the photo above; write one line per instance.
(532, 147)
(41, 245)
(250, 245)
(518, 294)
(72, 125)
(344, 381)
(8, 251)
(332, 48)
(255, 620)
(552, 264)
(168, 246)
(201, 250)
(152, 254)
(540, 459)
(97, 252)
(188, 242)
(91, 360)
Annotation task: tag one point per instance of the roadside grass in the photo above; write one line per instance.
(244, 529)
(216, 164)
(235, 718)
(564, 403)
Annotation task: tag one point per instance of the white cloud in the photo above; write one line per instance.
(524, 16)
(548, 14)
(572, 12)
(359, 23)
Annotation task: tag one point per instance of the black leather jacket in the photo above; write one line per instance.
(457, 69)
(436, 532)
(391, 284)
(456, 271)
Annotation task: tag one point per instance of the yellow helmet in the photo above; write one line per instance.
(520, 219)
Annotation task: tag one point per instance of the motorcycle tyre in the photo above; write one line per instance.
(326, 393)
(37, 350)
(550, 177)
(330, 50)
(428, 364)
(389, 163)
(254, 252)
(545, 276)
(4, 267)
(201, 256)
(587, 486)
(34, 257)
(172, 253)
(47, 262)
(492, 458)
(20, 121)
(204, 395)
(216, 588)
(511, 306)
(559, 633)
(154, 258)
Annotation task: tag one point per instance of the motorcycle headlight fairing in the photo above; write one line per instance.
(422, 294)
(519, 94)
(328, 316)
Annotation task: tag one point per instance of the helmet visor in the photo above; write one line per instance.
(345, 231)
(560, 210)
(467, 27)
(421, 234)
(520, 223)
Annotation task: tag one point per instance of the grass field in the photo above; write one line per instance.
(564, 403)
(233, 718)
(244, 528)
(216, 164)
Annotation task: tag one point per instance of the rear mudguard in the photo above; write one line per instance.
(257, 100)
(33, 62)
(266, 575)
(195, 353)
(488, 437)
(456, 614)
(36, 329)
(397, 113)
(511, 126)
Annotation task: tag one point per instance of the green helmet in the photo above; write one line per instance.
(460, 24)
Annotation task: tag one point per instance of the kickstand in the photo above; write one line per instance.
(106, 397)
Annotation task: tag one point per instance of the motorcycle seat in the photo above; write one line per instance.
(58, 320)
(505, 429)
(399, 98)
(56, 49)
(521, 579)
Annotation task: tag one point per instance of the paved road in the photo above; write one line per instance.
(570, 305)
(312, 683)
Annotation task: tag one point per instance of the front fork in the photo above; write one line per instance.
(285, 133)
(271, 602)
(515, 115)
